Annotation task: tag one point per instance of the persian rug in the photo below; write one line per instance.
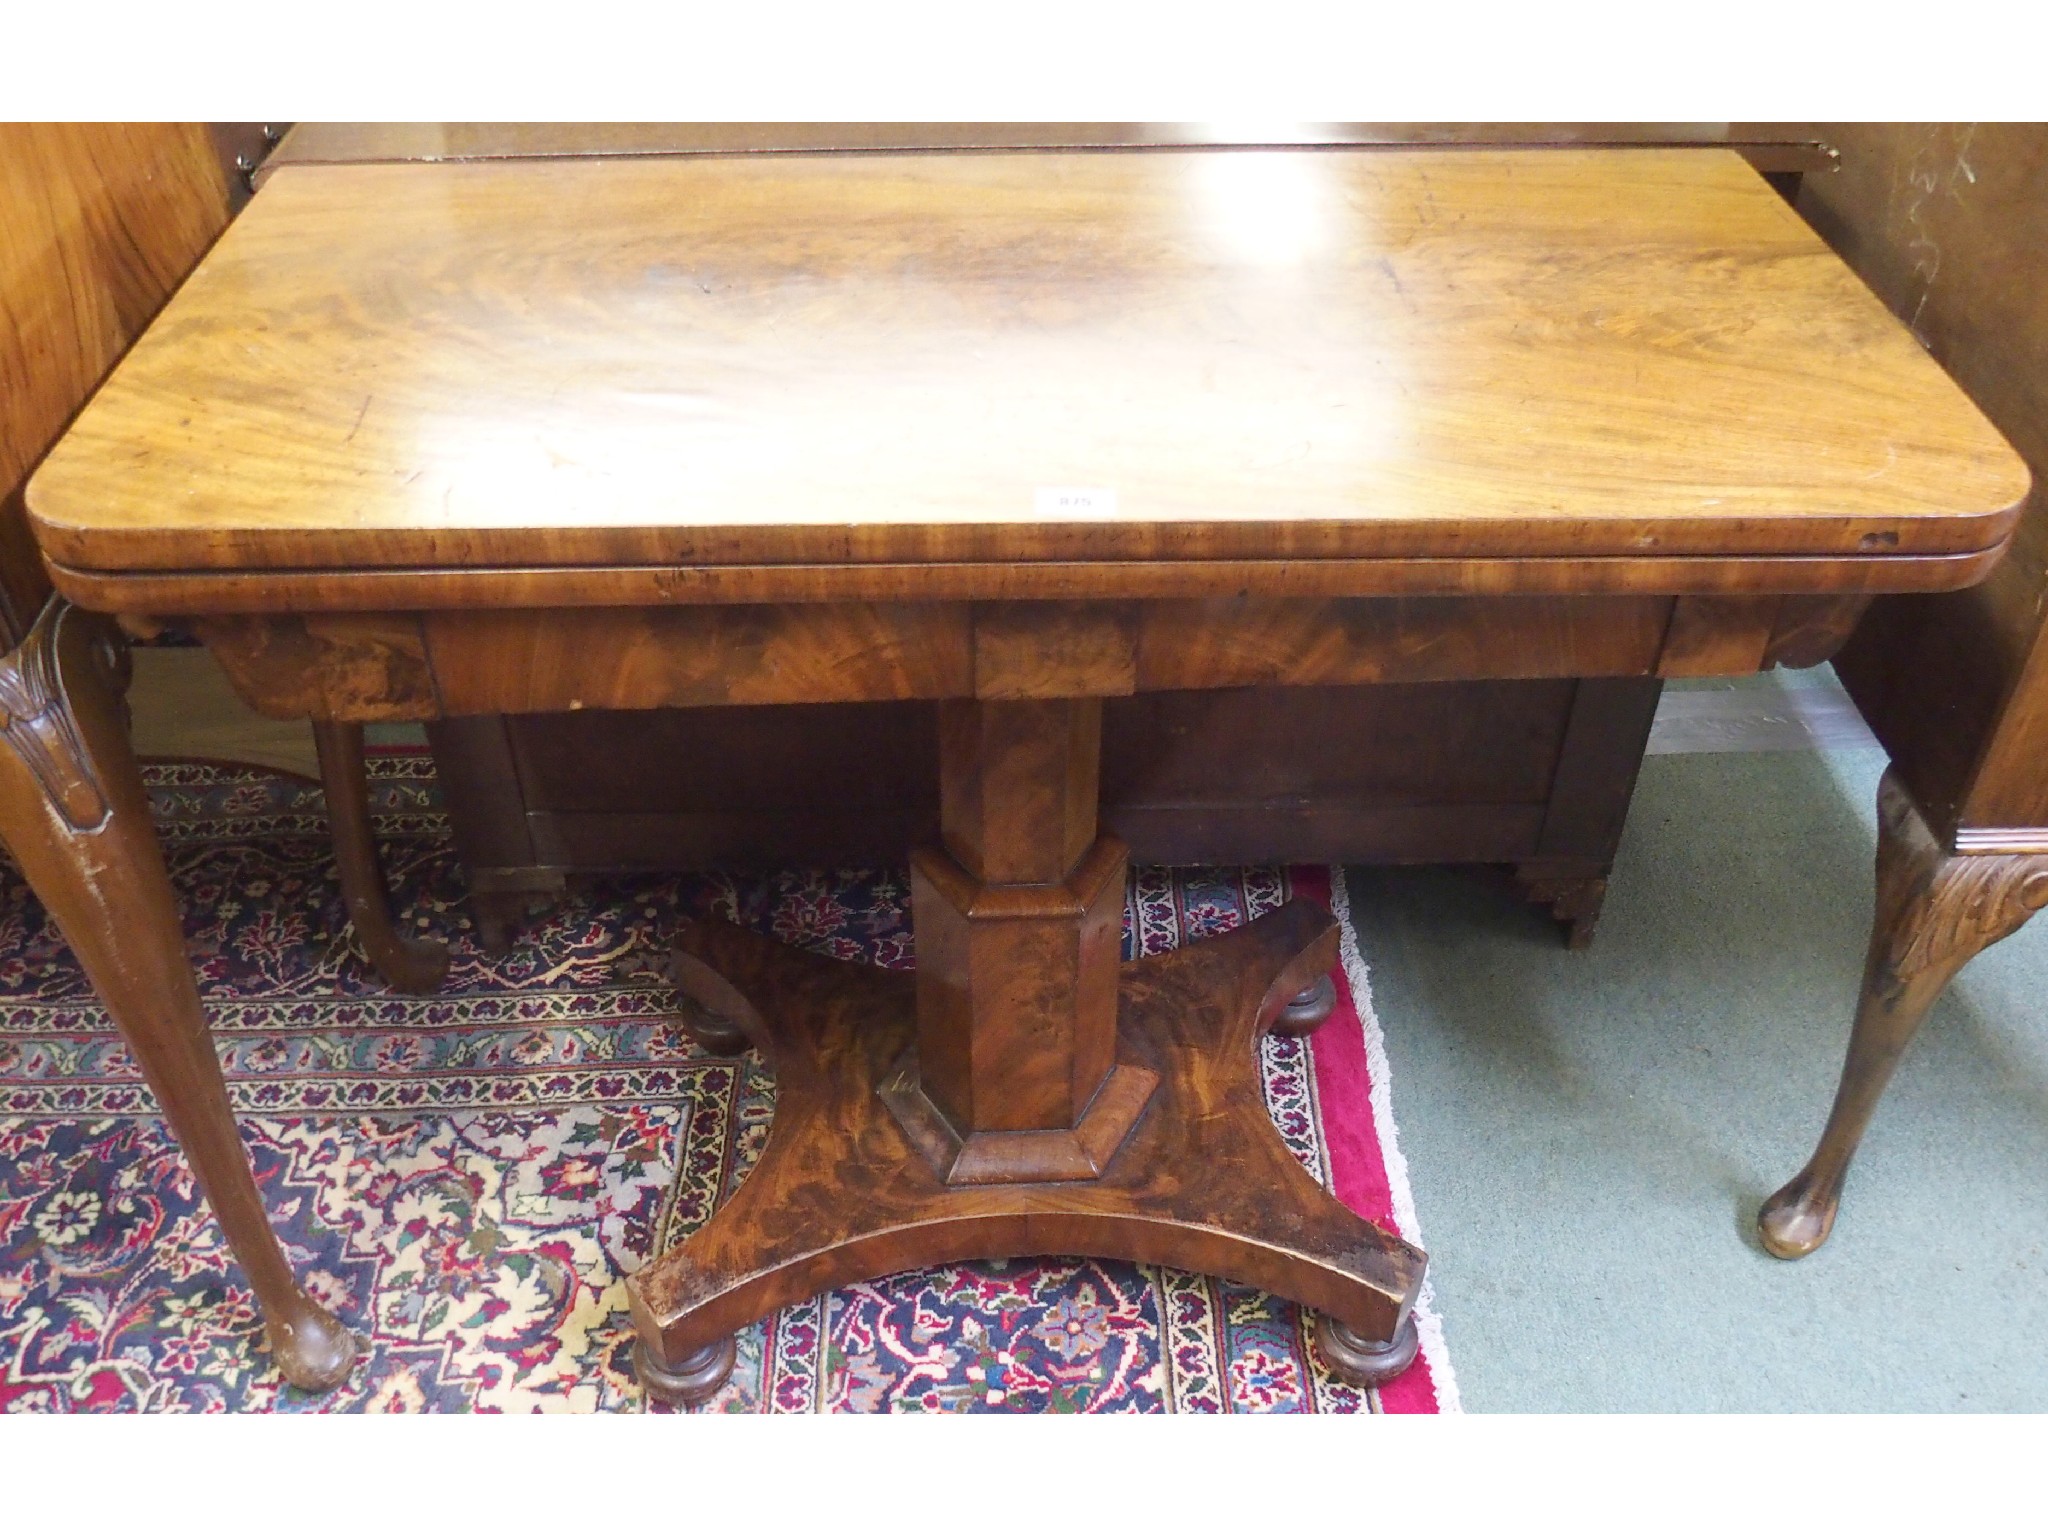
(467, 1179)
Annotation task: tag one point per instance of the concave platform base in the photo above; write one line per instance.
(1202, 1182)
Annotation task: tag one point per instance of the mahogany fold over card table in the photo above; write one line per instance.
(1015, 432)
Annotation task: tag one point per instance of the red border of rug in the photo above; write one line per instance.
(1358, 1164)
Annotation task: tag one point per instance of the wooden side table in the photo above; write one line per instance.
(1015, 433)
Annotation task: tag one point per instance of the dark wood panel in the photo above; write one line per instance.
(1931, 674)
(1344, 832)
(1349, 832)
(1394, 745)
(1400, 773)
(1597, 764)
(475, 759)
(599, 842)
(856, 759)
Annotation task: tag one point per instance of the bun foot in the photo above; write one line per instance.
(1797, 1220)
(1306, 1010)
(698, 1019)
(413, 966)
(719, 1036)
(693, 1378)
(1363, 1362)
(713, 1014)
(314, 1351)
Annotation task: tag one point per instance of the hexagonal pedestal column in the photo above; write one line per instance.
(1014, 1077)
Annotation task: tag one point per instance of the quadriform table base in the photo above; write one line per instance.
(1023, 1093)
(854, 1180)
(863, 1176)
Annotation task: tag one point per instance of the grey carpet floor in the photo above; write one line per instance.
(1590, 1135)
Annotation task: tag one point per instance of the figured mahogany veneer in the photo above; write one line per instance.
(843, 1191)
(398, 666)
(1016, 433)
(565, 366)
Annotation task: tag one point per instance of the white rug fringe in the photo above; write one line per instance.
(1428, 1325)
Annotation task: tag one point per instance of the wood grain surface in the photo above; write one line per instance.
(1387, 772)
(98, 223)
(842, 1193)
(408, 666)
(840, 360)
(324, 590)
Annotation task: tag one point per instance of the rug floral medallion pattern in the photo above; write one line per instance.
(467, 1179)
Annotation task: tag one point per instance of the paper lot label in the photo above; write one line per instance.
(1066, 502)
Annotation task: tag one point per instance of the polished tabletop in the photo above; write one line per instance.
(1160, 356)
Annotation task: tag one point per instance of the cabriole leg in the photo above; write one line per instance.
(74, 814)
(1935, 909)
(409, 965)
